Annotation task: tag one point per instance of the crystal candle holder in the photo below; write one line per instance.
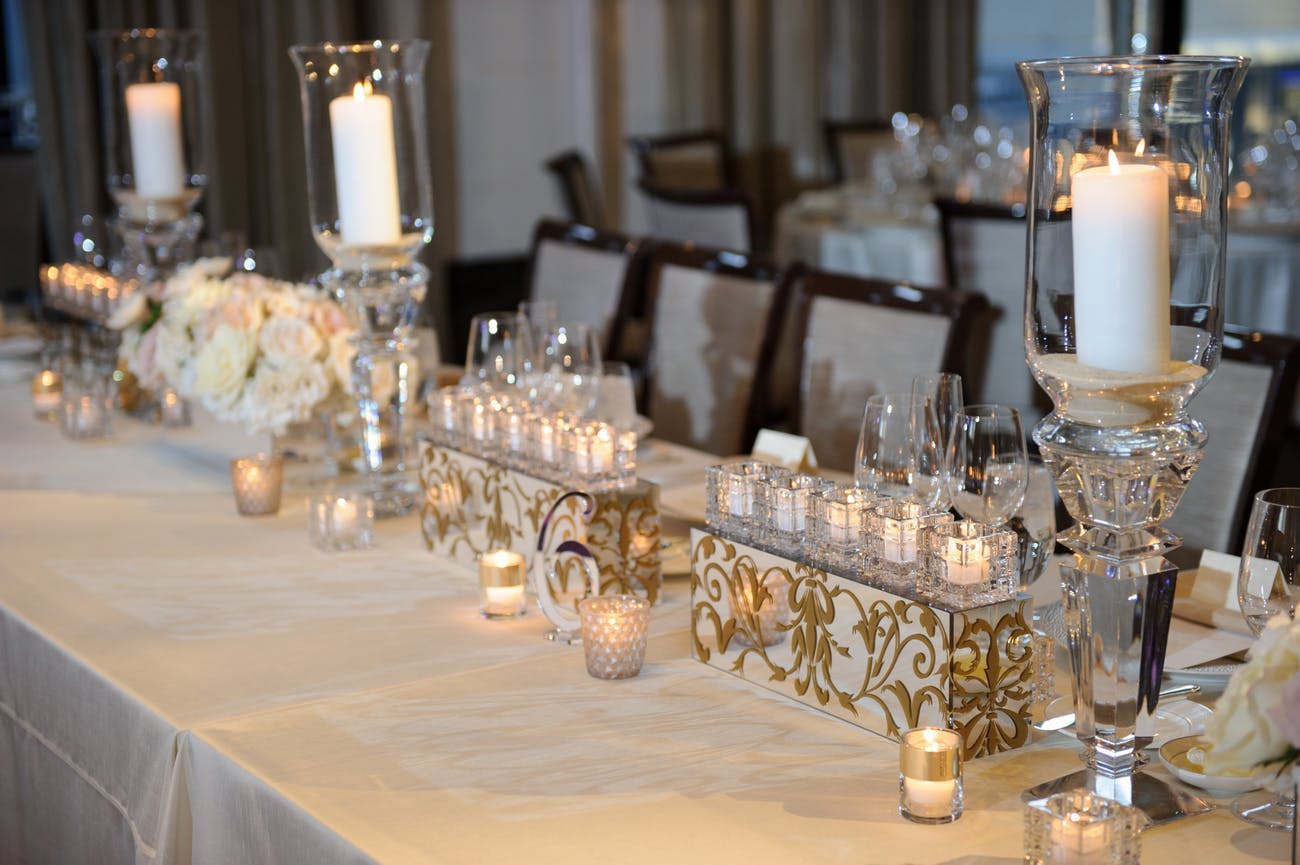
(340, 521)
(512, 435)
(893, 543)
(480, 426)
(444, 416)
(614, 633)
(591, 451)
(86, 407)
(501, 585)
(1079, 828)
(783, 511)
(1044, 685)
(625, 445)
(47, 394)
(732, 495)
(257, 481)
(966, 561)
(835, 531)
(929, 775)
(173, 411)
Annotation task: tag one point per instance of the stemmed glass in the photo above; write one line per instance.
(987, 464)
(898, 450)
(570, 361)
(943, 392)
(498, 350)
(1267, 585)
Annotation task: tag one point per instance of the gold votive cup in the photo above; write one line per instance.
(929, 775)
(501, 576)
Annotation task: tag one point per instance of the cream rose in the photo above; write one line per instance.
(173, 354)
(129, 312)
(276, 398)
(143, 360)
(222, 367)
(328, 317)
(287, 341)
(1243, 729)
(341, 352)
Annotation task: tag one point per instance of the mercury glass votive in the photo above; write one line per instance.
(892, 544)
(1079, 828)
(501, 576)
(257, 481)
(783, 511)
(614, 632)
(340, 520)
(47, 394)
(834, 533)
(731, 504)
(929, 775)
(966, 561)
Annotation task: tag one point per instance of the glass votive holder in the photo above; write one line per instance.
(47, 394)
(625, 444)
(966, 561)
(892, 541)
(87, 407)
(445, 416)
(173, 411)
(783, 506)
(1080, 828)
(544, 435)
(835, 528)
(512, 435)
(591, 449)
(1043, 690)
(480, 426)
(731, 504)
(761, 608)
(614, 632)
(929, 775)
(501, 575)
(340, 521)
(257, 481)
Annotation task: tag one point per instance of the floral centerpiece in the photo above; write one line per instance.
(252, 350)
(1256, 724)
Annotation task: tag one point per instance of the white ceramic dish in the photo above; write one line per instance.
(1213, 675)
(1173, 754)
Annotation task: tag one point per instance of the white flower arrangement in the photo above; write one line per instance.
(252, 350)
(1256, 724)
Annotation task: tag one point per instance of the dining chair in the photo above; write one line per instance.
(577, 187)
(984, 251)
(1245, 408)
(718, 218)
(686, 160)
(592, 276)
(861, 337)
(851, 145)
(713, 323)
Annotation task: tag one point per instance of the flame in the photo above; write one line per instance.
(361, 90)
(1113, 160)
(1141, 148)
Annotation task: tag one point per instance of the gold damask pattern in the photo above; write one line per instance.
(472, 506)
(878, 660)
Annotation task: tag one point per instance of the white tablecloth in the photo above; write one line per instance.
(182, 685)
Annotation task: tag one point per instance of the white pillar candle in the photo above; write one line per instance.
(1120, 227)
(365, 168)
(344, 517)
(929, 798)
(153, 117)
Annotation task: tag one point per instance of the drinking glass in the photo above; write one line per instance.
(496, 350)
(943, 391)
(1267, 587)
(571, 368)
(540, 317)
(898, 450)
(987, 463)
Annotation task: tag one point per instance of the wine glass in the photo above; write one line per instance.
(1267, 585)
(987, 464)
(898, 450)
(943, 391)
(570, 361)
(496, 352)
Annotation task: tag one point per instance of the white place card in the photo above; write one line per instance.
(786, 450)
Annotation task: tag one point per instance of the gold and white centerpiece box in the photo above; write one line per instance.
(882, 661)
(471, 506)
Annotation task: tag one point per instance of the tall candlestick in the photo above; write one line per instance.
(153, 116)
(1120, 227)
(365, 168)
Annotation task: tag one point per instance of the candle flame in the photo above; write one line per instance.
(1141, 148)
(1113, 160)
(361, 90)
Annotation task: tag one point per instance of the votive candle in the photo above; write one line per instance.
(501, 584)
(257, 482)
(930, 783)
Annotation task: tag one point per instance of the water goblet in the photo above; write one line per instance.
(988, 468)
(898, 450)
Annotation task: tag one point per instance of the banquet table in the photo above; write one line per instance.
(182, 685)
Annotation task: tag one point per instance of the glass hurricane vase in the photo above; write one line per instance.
(152, 107)
(363, 108)
(1123, 326)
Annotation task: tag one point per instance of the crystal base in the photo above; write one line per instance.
(154, 248)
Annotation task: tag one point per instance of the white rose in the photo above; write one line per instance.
(222, 366)
(129, 312)
(201, 271)
(341, 352)
(277, 397)
(1242, 729)
(172, 353)
(143, 360)
(287, 341)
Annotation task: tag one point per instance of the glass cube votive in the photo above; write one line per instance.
(967, 561)
(929, 775)
(732, 495)
(761, 608)
(86, 407)
(1079, 828)
(47, 394)
(340, 521)
(625, 444)
(1043, 689)
(835, 529)
(591, 451)
(501, 580)
(512, 435)
(173, 411)
(257, 481)
(545, 438)
(480, 425)
(892, 544)
(783, 511)
(445, 412)
(614, 633)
